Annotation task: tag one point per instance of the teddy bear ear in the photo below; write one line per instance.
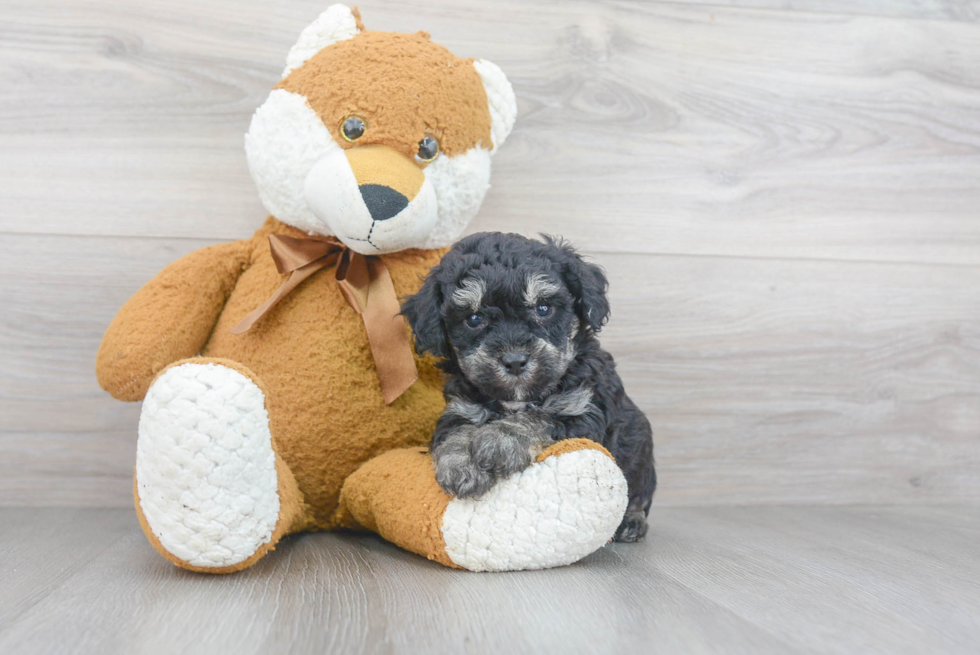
(500, 97)
(337, 23)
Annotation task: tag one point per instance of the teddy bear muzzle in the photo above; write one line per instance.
(373, 198)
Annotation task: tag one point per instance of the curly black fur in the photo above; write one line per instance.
(515, 321)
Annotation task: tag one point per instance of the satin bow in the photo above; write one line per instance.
(367, 286)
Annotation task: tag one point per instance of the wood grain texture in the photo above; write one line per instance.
(798, 381)
(767, 381)
(41, 550)
(681, 129)
(959, 10)
(707, 580)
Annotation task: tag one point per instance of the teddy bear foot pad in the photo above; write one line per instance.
(554, 513)
(206, 477)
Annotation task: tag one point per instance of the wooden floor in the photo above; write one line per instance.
(707, 580)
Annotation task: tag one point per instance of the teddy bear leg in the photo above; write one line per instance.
(211, 493)
(561, 508)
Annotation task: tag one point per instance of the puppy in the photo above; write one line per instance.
(515, 321)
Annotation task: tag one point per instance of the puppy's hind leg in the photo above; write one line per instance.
(634, 525)
(633, 528)
(635, 455)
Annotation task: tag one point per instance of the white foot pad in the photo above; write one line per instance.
(553, 513)
(205, 468)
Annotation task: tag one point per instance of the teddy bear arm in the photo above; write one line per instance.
(169, 319)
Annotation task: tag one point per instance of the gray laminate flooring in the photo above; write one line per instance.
(707, 580)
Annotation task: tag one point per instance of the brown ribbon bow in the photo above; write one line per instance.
(366, 284)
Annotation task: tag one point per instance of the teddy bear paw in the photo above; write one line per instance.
(205, 468)
(553, 513)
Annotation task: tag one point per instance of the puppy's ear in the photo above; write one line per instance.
(587, 282)
(422, 311)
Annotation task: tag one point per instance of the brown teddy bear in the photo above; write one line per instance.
(280, 392)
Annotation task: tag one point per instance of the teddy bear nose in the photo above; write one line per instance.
(382, 202)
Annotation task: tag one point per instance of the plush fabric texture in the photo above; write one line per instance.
(373, 165)
(500, 99)
(337, 23)
(290, 521)
(560, 509)
(311, 354)
(403, 86)
(396, 495)
(460, 183)
(285, 140)
(142, 340)
(555, 512)
(571, 446)
(293, 512)
(244, 439)
(205, 466)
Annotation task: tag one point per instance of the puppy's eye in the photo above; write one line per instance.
(474, 321)
(428, 149)
(543, 310)
(352, 128)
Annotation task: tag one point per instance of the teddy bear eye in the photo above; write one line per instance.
(352, 128)
(428, 149)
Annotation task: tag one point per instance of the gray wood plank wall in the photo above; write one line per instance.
(786, 196)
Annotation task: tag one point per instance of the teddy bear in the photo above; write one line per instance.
(280, 390)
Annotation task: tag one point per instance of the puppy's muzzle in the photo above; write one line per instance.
(387, 179)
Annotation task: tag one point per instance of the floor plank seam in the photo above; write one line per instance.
(587, 251)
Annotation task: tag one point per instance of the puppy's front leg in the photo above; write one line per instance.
(456, 472)
(509, 445)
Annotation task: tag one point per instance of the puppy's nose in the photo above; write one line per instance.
(382, 202)
(514, 362)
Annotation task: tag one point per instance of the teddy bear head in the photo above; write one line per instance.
(378, 138)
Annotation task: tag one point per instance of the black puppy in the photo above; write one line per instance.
(515, 321)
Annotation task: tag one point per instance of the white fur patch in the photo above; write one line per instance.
(284, 142)
(553, 513)
(538, 286)
(469, 293)
(460, 183)
(501, 98)
(205, 468)
(335, 24)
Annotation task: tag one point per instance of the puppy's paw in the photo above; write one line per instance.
(633, 528)
(500, 453)
(459, 476)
